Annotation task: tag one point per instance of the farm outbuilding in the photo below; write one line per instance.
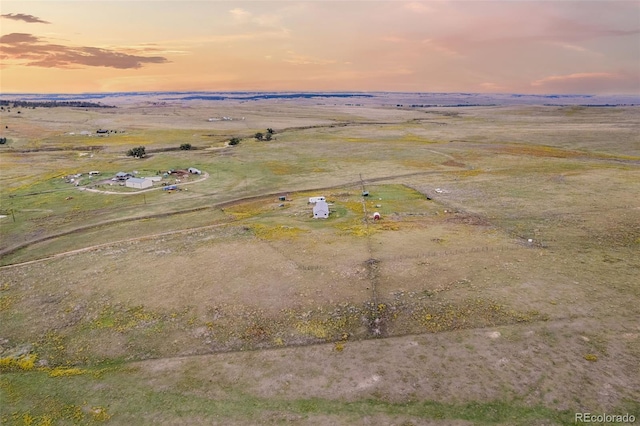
(194, 171)
(313, 200)
(139, 183)
(321, 210)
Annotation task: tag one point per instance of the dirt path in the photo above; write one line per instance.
(128, 240)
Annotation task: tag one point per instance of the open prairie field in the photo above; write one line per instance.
(500, 285)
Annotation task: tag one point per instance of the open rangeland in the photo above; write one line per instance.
(500, 285)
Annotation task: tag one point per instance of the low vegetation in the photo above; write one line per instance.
(138, 152)
(483, 293)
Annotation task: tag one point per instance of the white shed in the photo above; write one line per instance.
(313, 200)
(139, 183)
(321, 210)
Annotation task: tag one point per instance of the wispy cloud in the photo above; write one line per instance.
(493, 87)
(265, 20)
(24, 17)
(31, 50)
(297, 59)
(573, 77)
(590, 82)
(240, 15)
(417, 7)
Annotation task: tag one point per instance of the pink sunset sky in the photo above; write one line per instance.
(537, 47)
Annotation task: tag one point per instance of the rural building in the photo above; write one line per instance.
(94, 172)
(321, 210)
(139, 183)
(313, 200)
(194, 171)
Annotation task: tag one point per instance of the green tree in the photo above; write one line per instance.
(270, 131)
(234, 141)
(267, 137)
(139, 152)
(185, 146)
(259, 136)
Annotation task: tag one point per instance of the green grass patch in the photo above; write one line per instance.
(118, 395)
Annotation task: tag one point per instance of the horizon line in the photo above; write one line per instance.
(137, 92)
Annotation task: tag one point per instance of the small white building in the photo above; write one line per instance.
(321, 210)
(194, 171)
(139, 183)
(313, 200)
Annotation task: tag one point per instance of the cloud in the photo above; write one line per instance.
(243, 17)
(569, 77)
(296, 59)
(18, 38)
(417, 7)
(240, 15)
(30, 50)
(415, 44)
(590, 82)
(489, 86)
(23, 17)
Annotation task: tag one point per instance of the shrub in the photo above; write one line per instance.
(234, 141)
(138, 152)
(185, 146)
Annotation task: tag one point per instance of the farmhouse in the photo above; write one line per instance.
(139, 183)
(321, 210)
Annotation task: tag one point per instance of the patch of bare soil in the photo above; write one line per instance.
(454, 163)
(543, 363)
(468, 219)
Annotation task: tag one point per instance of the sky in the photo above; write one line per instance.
(509, 46)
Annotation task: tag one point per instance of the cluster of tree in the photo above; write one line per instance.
(234, 141)
(185, 146)
(139, 152)
(264, 137)
(51, 104)
(3, 141)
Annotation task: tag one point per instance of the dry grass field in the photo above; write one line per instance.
(499, 287)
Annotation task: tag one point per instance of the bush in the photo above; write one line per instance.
(234, 141)
(138, 152)
(185, 146)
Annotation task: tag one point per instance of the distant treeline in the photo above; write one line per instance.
(590, 105)
(53, 104)
(444, 106)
